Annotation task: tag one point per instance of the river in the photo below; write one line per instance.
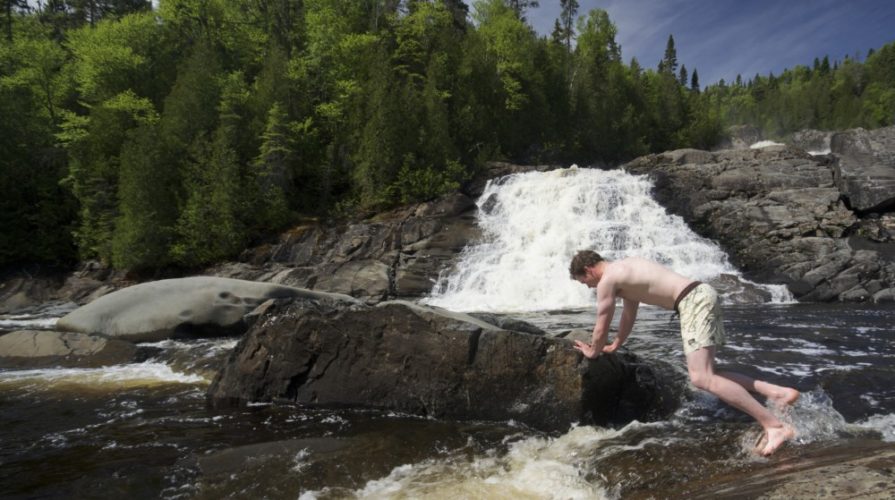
(145, 429)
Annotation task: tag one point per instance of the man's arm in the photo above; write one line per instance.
(625, 325)
(605, 310)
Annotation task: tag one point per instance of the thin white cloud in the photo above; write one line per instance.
(723, 38)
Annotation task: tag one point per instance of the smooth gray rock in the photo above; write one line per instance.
(200, 305)
(40, 348)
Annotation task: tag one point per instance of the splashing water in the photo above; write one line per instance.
(815, 419)
(534, 223)
(534, 468)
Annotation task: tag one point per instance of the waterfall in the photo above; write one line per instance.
(533, 223)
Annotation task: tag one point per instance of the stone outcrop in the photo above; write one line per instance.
(395, 254)
(32, 349)
(429, 361)
(23, 291)
(780, 217)
(865, 168)
(815, 142)
(180, 307)
(741, 137)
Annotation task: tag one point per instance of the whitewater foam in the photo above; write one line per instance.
(534, 467)
(118, 376)
(534, 223)
(765, 144)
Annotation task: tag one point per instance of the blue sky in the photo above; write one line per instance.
(721, 38)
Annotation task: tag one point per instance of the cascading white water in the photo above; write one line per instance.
(534, 223)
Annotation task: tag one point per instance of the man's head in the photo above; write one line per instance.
(581, 262)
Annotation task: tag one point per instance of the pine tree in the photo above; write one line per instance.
(694, 81)
(569, 9)
(273, 172)
(519, 7)
(669, 60)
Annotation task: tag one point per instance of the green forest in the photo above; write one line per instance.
(177, 136)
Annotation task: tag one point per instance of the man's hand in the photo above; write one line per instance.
(587, 349)
(612, 347)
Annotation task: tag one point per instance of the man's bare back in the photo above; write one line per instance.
(643, 281)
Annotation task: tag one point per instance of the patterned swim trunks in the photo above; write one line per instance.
(702, 324)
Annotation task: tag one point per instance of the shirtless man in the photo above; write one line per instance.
(637, 280)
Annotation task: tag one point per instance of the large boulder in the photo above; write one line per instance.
(32, 348)
(865, 168)
(180, 307)
(409, 358)
(778, 214)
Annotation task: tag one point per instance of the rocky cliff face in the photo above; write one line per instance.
(784, 216)
(395, 254)
(426, 361)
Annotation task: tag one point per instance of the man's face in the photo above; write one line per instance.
(589, 278)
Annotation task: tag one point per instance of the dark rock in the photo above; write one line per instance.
(508, 323)
(23, 290)
(865, 170)
(421, 360)
(394, 254)
(33, 349)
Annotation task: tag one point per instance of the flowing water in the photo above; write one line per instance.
(145, 430)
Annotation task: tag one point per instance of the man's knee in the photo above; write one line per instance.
(700, 380)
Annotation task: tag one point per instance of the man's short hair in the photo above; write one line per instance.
(581, 261)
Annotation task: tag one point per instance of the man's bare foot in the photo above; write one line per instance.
(776, 436)
(786, 397)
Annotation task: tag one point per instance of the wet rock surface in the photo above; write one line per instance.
(419, 360)
(863, 470)
(33, 349)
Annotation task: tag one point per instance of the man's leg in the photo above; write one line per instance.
(701, 366)
(777, 394)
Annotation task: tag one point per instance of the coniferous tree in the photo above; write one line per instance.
(12, 8)
(519, 7)
(568, 11)
(669, 60)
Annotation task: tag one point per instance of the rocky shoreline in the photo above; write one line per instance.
(822, 225)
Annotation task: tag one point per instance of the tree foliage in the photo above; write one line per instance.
(175, 137)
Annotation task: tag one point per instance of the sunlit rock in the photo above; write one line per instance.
(184, 307)
(40, 348)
